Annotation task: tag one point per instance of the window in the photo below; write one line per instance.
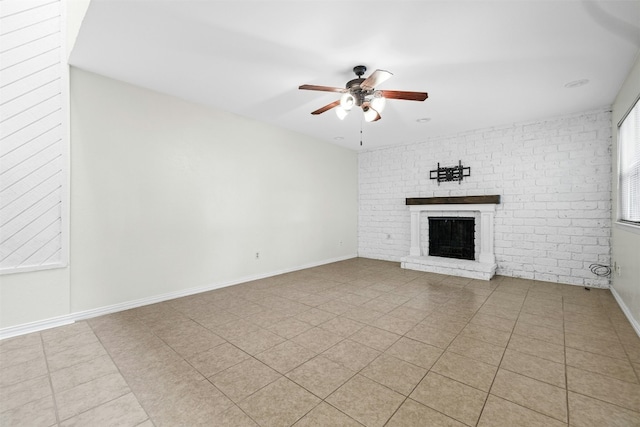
(629, 166)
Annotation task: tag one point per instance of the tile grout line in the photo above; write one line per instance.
(515, 403)
(53, 394)
(359, 371)
(435, 362)
(284, 375)
(259, 361)
(79, 384)
(119, 371)
(588, 396)
(408, 396)
(233, 403)
(503, 353)
(322, 400)
(122, 375)
(381, 353)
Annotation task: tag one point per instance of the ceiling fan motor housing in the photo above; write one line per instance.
(353, 87)
(359, 70)
(354, 84)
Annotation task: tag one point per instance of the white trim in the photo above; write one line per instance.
(626, 114)
(40, 325)
(29, 268)
(626, 311)
(53, 322)
(631, 228)
(65, 215)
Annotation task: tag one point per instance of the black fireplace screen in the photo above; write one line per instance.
(452, 237)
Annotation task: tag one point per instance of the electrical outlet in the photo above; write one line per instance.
(616, 268)
(257, 255)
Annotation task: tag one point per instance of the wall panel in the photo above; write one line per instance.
(32, 136)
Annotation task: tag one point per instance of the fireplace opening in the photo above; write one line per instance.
(452, 237)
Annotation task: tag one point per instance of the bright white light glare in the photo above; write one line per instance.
(378, 102)
(370, 114)
(341, 113)
(347, 101)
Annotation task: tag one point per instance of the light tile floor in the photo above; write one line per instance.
(359, 342)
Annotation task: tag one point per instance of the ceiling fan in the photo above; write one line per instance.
(361, 92)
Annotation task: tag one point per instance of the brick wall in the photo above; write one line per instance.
(554, 177)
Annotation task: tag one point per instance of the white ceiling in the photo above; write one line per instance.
(483, 63)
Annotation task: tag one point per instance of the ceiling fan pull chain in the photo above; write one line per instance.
(361, 132)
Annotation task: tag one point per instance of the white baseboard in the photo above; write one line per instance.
(67, 319)
(634, 323)
(40, 325)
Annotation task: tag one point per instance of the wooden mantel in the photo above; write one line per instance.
(457, 200)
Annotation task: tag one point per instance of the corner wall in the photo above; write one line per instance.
(553, 176)
(626, 239)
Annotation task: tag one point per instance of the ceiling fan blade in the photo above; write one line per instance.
(326, 108)
(401, 94)
(322, 88)
(377, 77)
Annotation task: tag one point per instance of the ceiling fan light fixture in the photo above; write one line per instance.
(378, 101)
(341, 112)
(370, 115)
(347, 101)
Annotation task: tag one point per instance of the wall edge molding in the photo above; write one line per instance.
(53, 322)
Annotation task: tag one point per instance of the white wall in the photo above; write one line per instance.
(626, 239)
(33, 296)
(554, 177)
(168, 196)
(74, 12)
